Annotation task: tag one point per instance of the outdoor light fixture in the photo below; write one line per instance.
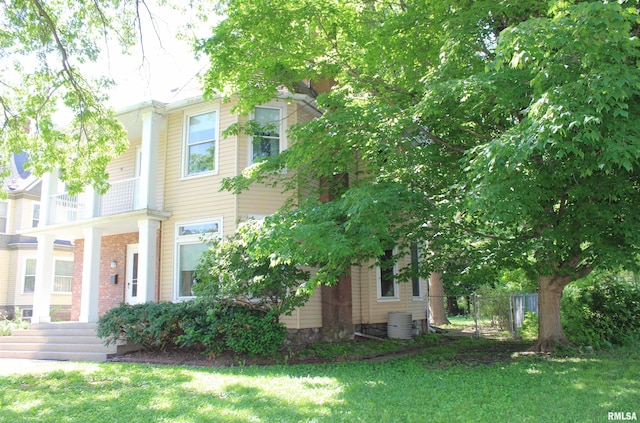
(113, 264)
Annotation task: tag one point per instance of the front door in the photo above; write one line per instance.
(133, 294)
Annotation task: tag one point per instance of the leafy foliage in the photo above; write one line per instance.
(253, 332)
(603, 312)
(152, 325)
(222, 325)
(241, 270)
(507, 131)
(206, 325)
(44, 47)
(494, 305)
(7, 326)
(529, 329)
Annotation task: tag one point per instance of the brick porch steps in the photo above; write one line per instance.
(72, 341)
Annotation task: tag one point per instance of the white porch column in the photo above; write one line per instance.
(90, 275)
(147, 250)
(49, 187)
(151, 125)
(44, 280)
(92, 206)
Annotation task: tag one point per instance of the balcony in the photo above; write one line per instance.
(122, 197)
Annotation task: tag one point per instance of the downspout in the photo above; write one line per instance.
(428, 305)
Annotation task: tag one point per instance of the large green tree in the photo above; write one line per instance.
(503, 133)
(51, 107)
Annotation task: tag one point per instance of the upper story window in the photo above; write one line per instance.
(200, 144)
(387, 286)
(267, 140)
(35, 215)
(3, 216)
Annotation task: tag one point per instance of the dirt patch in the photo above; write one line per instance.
(484, 354)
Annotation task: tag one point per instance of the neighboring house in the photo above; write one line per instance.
(18, 253)
(141, 240)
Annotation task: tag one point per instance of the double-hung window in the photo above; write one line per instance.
(29, 281)
(416, 287)
(4, 209)
(200, 144)
(387, 285)
(62, 276)
(35, 215)
(266, 140)
(191, 242)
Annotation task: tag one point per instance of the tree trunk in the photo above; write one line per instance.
(337, 311)
(337, 306)
(453, 309)
(437, 313)
(550, 333)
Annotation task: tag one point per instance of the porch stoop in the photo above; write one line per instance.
(72, 341)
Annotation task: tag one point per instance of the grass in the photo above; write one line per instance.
(434, 385)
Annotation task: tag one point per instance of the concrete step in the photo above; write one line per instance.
(56, 339)
(54, 332)
(55, 355)
(72, 341)
(29, 346)
(63, 325)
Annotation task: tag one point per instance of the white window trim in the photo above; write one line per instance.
(396, 285)
(258, 217)
(276, 104)
(188, 240)
(6, 217)
(184, 172)
(23, 274)
(53, 275)
(422, 296)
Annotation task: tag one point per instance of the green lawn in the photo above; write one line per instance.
(428, 387)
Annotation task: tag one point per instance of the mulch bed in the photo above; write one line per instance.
(482, 354)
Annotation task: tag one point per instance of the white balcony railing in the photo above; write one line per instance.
(67, 208)
(122, 197)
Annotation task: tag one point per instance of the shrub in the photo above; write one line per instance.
(226, 325)
(7, 326)
(254, 332)
(529, 329)
(601, 313)
(494, 305)
(242, 271)
(152, 325)
(201, 327)
(201, 323)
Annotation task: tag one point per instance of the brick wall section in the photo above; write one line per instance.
(113, 248)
